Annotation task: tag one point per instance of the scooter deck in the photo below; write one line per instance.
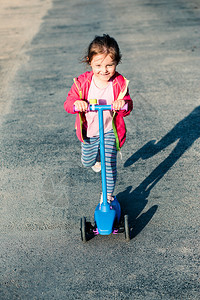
(105, 219)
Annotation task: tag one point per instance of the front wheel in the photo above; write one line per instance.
(83, 229)
(126, 228)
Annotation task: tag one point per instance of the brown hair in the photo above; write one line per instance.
(103, 44)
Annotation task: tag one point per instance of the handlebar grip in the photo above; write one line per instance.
(125, 107)
(77, 110)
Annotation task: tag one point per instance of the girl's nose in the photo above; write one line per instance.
(104, 69)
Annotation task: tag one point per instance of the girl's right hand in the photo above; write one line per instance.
(81, 105)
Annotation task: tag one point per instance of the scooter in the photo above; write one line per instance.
(107, 216)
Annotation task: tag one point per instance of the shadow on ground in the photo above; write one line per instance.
(185, 133)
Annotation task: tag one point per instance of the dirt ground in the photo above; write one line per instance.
(19, 22)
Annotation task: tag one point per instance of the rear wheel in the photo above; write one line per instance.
(126, 228)
(83, 229)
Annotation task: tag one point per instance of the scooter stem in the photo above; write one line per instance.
(105, 206)
(100, 108)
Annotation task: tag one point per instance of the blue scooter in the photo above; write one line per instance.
(107, 215)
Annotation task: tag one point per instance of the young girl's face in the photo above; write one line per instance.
(103, 67)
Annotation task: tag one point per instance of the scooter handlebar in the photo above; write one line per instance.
(96, 107)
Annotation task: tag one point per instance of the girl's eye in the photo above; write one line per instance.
(111, 65)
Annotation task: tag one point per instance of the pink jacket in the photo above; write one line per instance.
(79, 90)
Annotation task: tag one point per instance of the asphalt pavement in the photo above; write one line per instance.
(45, 189)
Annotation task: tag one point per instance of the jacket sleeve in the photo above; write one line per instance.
(128, 100)
(72, 96)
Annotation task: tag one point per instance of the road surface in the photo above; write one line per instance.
(44, 188)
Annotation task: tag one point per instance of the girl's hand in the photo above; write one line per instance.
(81, 105)
(118, 104)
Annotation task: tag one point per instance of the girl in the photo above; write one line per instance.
(108, 87)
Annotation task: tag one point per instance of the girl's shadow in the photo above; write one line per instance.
(186, 132)
(133, 204)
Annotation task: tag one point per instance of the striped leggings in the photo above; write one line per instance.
(91, 154)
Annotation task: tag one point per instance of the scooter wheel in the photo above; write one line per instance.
(126, 228)
(83, 229)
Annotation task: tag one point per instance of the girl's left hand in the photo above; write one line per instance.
(118, 104)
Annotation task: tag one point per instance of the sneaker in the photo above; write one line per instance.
(110, 198)
(101, 199)
(97, 167)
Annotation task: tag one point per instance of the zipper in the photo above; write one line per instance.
(80, 92)
(121, 96)
(115, 132)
